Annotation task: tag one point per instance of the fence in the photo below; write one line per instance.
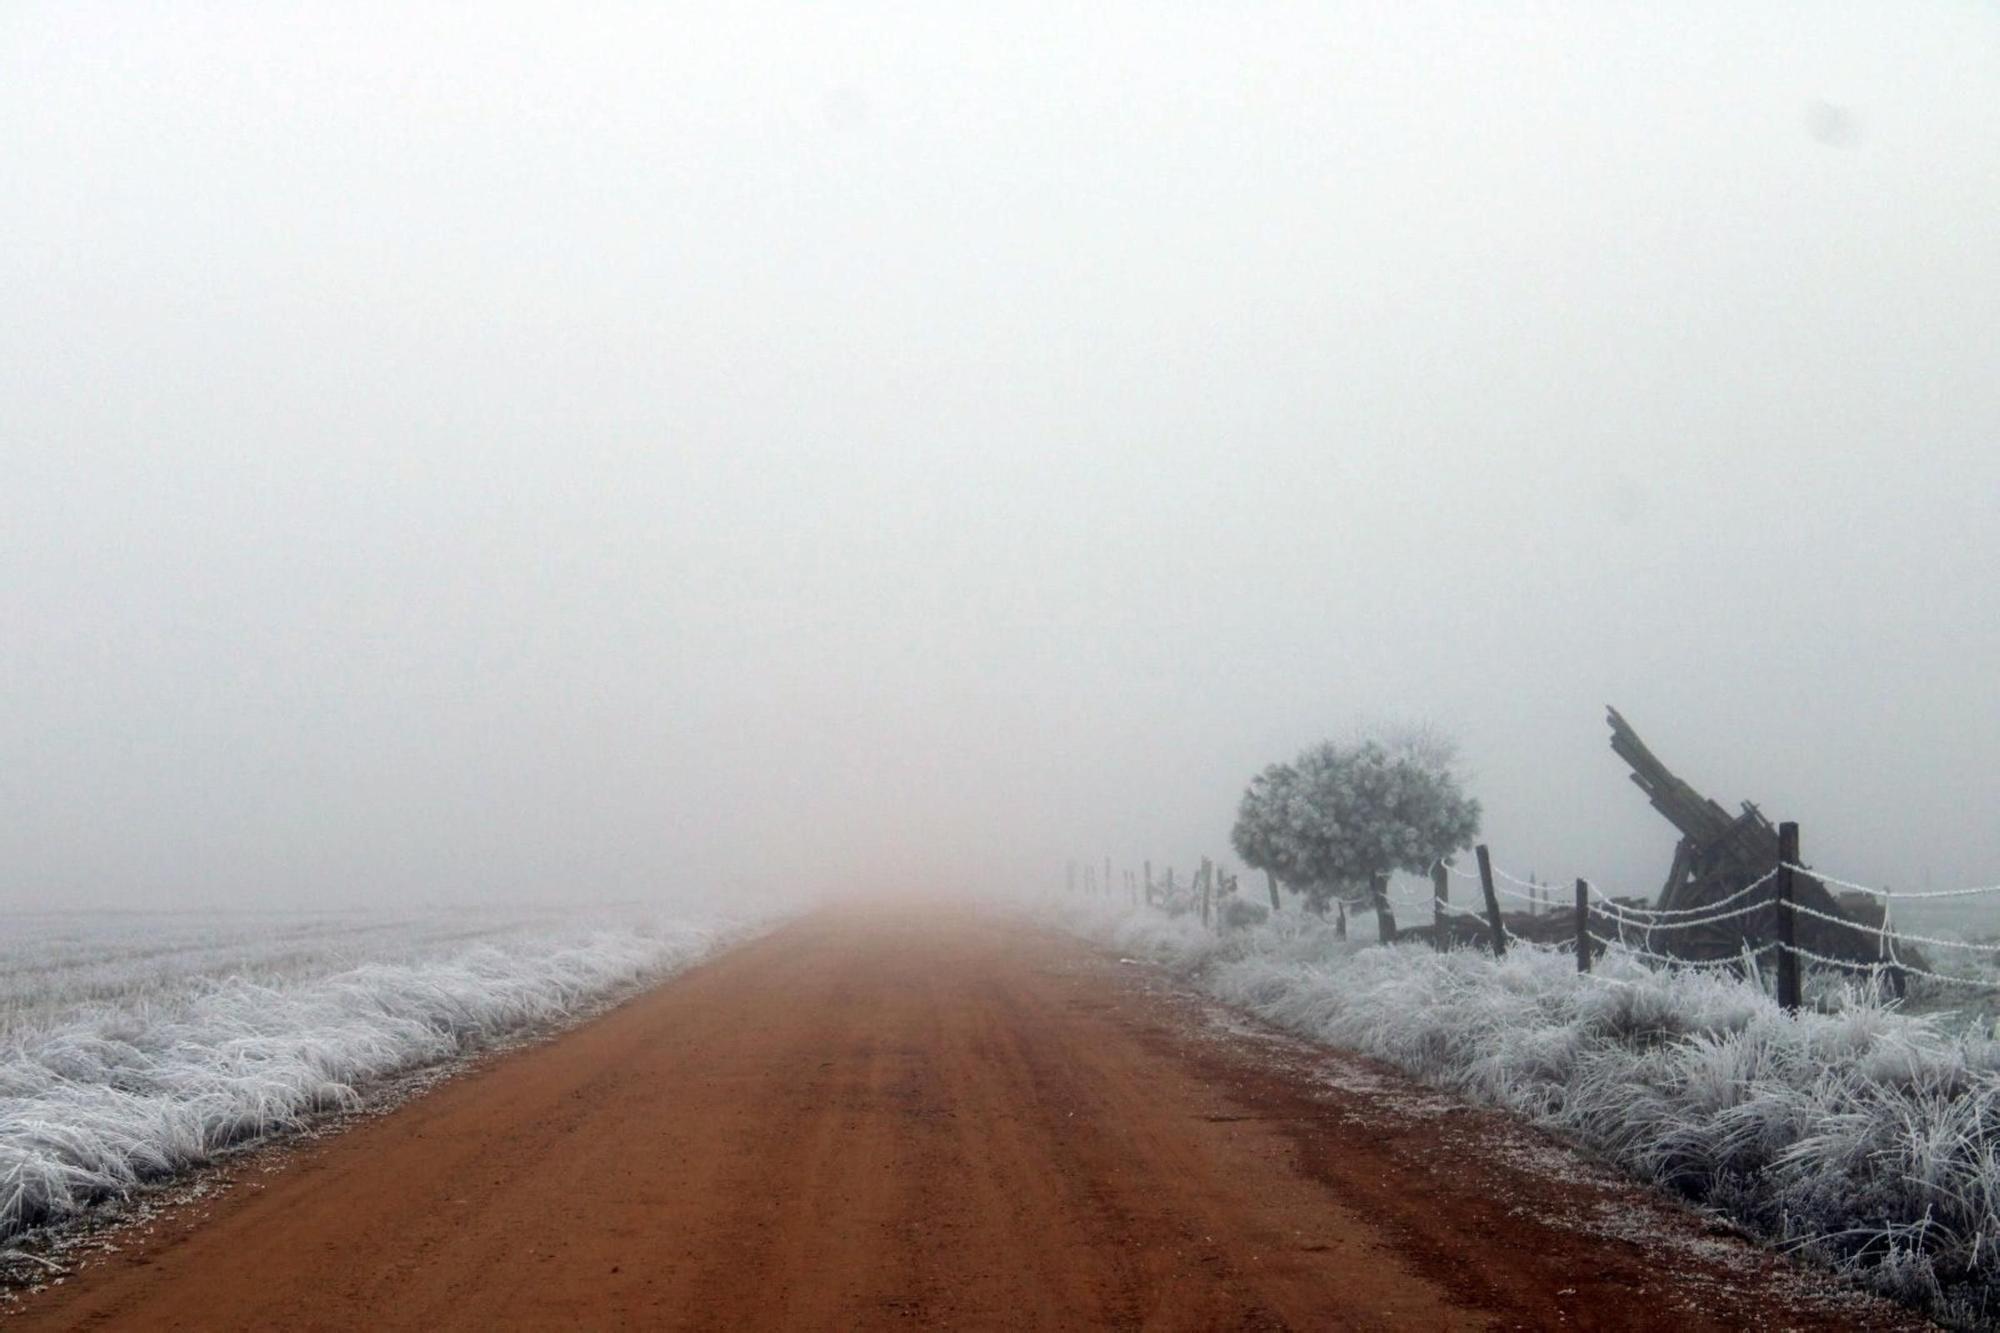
(1600, 922)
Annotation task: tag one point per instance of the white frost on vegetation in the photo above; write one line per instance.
(133, 1048)
(1866, 1137)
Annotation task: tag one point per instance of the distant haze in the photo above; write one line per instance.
(575, 451)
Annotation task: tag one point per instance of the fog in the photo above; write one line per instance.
(565, 452)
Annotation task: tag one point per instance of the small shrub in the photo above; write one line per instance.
(1242, 913)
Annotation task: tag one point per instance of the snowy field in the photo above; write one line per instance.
(1863, 1135)
(134, 1046)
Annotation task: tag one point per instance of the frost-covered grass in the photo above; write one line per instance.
(1865, 1137)
(136, 1046)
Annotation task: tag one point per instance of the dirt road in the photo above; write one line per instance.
(914, 1118)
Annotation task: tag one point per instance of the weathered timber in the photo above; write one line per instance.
(1493, 917)
(1582, 926)
(1718, 856)
(1786, 921)
(1460, 930)
(1440, 900)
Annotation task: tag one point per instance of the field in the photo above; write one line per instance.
(134, 1046)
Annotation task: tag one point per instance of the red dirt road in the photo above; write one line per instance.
(914, 1118)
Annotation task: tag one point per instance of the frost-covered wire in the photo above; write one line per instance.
(1651, 956)
(1898, 936)
(1541, 895)
(1652, 913)
(1485, 921)
(1975, 891)
(1546, 891)
(1455, 910)
(1611, 907)
(1537, 899)
(1888, 965)
(1696, 923)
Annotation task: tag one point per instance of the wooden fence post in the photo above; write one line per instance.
(1492, 900)
(1149, 882)
(1582, 926)
(1787, 922)
(1440, 895)
(1271, 883)
(1207, 877)
(1340, 921)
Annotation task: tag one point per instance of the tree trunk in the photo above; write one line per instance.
(1385, 920)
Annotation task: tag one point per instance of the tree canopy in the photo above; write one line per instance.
(1342, 815)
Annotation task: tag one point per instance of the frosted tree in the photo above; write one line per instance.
(1341, 818)
(1259, 833)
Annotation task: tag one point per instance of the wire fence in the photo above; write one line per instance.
(1633, 920)
(1634, 927)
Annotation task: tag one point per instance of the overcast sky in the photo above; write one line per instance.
(576, 450)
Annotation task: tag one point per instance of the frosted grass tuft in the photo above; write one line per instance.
(133, 1049)
(1865, 1137)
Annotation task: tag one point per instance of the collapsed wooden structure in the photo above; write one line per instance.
(1721, 855)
